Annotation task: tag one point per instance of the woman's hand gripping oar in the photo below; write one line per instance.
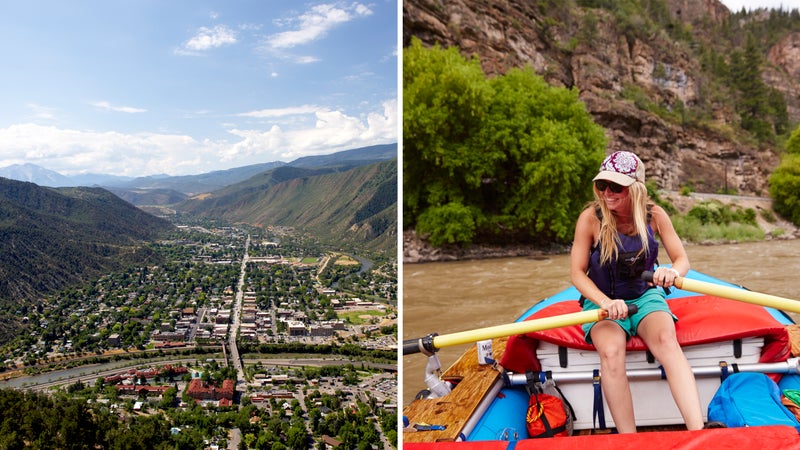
(433, 342)
(742, 295)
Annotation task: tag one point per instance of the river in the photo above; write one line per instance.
(448, 297)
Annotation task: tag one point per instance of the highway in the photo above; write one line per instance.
(233, 350)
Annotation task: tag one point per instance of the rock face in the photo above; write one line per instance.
(583, 49)
(783, 71)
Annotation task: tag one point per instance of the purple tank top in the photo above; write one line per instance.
(620, 278)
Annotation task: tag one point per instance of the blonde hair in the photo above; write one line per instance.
(609, 237)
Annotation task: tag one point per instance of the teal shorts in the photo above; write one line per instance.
(652, 300)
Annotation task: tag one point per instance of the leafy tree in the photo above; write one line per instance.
(784, 188)
(445, 98)
(793, 144)
(506, 158)
(549, 148)
(784, 183)
(297, 438)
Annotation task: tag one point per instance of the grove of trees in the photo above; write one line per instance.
(503, 159)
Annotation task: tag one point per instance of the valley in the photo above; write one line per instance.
(263, 312)
(235, 318)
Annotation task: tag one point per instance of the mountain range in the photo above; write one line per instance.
(194, 184)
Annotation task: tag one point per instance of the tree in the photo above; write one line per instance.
(784, 187)
(762, 109)
(492, 159)
(444, 100)
(784, 183)
(793, 144)
(297, 438)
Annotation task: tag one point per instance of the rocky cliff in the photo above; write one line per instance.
(588, 49)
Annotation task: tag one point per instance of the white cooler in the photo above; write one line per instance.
(652, 400)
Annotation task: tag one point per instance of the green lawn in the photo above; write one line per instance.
(354, 316)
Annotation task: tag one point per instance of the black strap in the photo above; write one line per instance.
(737, 348)
(548, 430)
(599, 413)
(562, 356)
(531, 379)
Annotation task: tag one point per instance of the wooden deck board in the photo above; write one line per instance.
(455, 408)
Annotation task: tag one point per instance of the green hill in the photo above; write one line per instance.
(352, 206)
(53, 238)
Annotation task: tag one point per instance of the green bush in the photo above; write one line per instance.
(793, 143)
(784, 188)
(717, 213)
(692, 229)
(452, 223)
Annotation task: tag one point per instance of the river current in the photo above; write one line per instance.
(447, 297)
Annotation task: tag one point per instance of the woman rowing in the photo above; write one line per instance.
(614, 243)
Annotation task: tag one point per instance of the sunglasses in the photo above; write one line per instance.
(601, 186)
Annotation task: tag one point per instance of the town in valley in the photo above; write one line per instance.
(271, 336)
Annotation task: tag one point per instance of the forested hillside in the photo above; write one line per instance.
(52, 238)
(706, 97)
(356, 207)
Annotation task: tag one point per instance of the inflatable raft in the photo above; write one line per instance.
(476, 405)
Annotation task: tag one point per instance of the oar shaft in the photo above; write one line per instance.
(433, 342)
(742, 295)
(527, 326)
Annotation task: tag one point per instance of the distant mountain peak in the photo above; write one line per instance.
(34, 174)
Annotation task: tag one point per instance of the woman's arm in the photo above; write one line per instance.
(579, 258)
(672, 244)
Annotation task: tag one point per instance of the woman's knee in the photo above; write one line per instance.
(658, 331)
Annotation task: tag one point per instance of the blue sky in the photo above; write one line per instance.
(139, 87)
(736, 5)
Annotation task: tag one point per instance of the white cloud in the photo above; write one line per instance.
(109, 107)
(302, 131)
(737, 5)
(42, 112)
(332, 131)
(315, 23)
(209, 38)
(305, 59)
(281, 112)
(78, 151)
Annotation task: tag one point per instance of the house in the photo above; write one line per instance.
(141, 391)
(200, 390)
(297, 328)
(330, 443)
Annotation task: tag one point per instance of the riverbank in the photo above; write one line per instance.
(418, 250)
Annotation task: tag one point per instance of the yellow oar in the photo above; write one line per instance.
(742, 295)
(433, 342)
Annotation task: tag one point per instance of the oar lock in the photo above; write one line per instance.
(426, 346)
